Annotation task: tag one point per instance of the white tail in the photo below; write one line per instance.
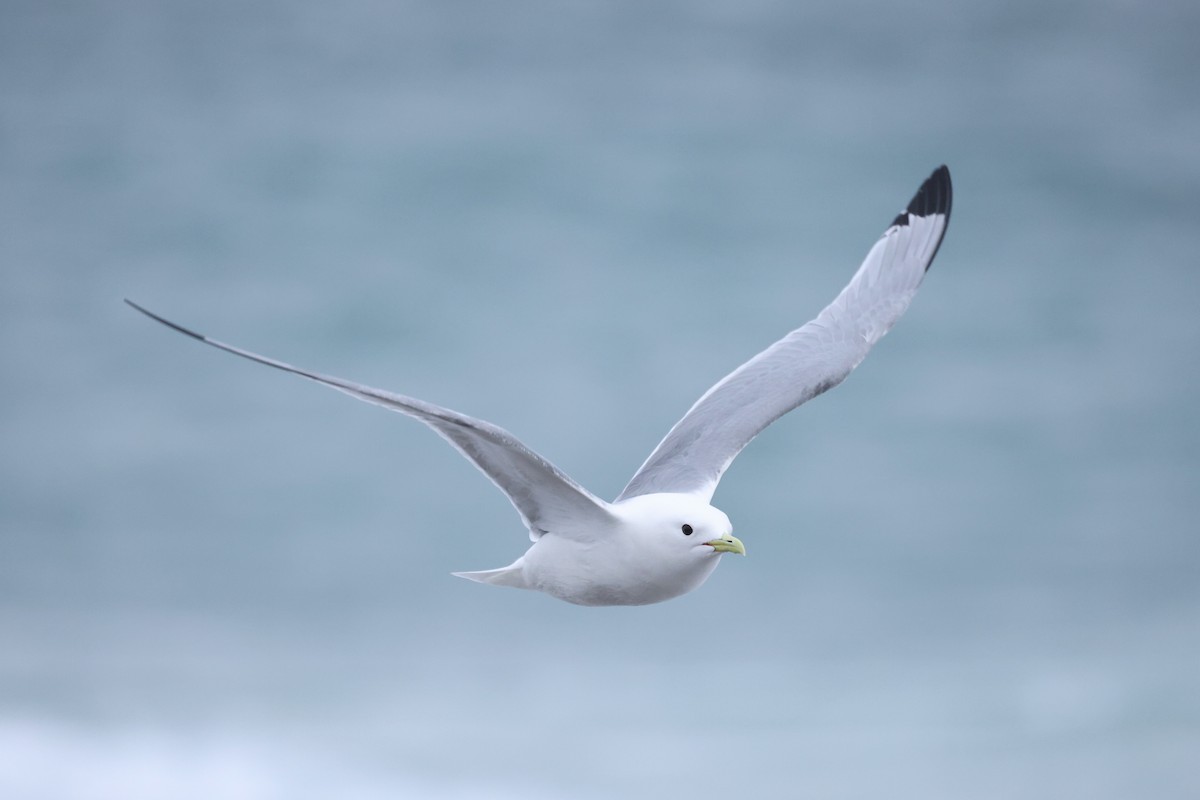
(505, 576)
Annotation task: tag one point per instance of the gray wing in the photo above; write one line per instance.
(545, 497)
(808, 361)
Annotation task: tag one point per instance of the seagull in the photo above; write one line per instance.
(661, 537)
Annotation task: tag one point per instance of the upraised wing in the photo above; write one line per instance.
(545, 497)
(808, 361)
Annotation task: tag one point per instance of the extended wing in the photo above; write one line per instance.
(545, 497)
(808, 361)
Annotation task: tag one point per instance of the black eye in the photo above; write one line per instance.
(687, 530)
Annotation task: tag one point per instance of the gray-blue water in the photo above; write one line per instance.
(974, 568)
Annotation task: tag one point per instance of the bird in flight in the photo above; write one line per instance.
(661, 537)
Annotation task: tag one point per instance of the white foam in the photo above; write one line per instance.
(54, 760)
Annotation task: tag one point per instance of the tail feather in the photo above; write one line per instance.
(505, 576)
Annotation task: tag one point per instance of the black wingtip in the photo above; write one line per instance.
(934, 197)
(166, 322)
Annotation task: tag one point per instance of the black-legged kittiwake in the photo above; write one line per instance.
(661, 538)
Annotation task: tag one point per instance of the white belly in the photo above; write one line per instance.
(610, 574)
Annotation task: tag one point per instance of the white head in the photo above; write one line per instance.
(663, 546)
(679, 526)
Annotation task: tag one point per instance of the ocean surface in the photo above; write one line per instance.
(974, 568)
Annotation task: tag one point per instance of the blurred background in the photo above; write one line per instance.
(973, 568)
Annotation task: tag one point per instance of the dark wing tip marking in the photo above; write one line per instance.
(167, 322)
(933, 197)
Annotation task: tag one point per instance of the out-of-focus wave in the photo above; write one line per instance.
(54, 760)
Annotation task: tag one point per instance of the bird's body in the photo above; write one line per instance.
(661, 537)
(630, 562)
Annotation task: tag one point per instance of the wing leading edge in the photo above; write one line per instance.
(545, 497)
